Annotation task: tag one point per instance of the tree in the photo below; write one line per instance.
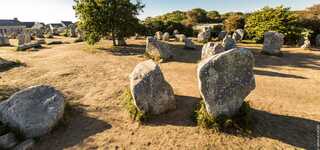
(279, 19)
(214, 16)
(234, 22)
(100, 18)
(197, 15)
(310, 20)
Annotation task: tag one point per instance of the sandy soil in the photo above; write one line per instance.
(286, 101)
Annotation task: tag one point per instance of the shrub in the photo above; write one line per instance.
(279, 19)
(234, 22)
(240, 122)
(128, 103)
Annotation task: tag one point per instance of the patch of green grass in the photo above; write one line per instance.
(128, 103)
(241, 122)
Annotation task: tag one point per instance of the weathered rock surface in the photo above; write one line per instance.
(306, 44)
(166, 36)
(180, 37)
(205, 35)
(33, 111)
(229, 43)
(238, 35)
(8, 141)
(211, 49)
(273, 42)
(318, 40)
(4, 40)
(21, 39)
(225, 80)
(188, 44)
(151, 93)
(157, 49)
(159, 35)
(222, 35)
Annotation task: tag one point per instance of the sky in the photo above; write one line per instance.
(51, 11)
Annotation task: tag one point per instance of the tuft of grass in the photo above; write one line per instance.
(128, 103)
(241, 122)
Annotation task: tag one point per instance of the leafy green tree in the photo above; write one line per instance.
(197, 15)
(100, 18)
(214, 16)
(234, 22)
(278, 19)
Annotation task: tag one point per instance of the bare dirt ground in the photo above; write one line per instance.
(285, 103)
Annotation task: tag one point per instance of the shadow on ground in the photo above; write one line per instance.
(303, 60)
(182, 116)
(277, 74)
(77, 127)
(128, 50)
(184, 55)
(294, 131)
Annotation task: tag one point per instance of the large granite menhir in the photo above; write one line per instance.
(152, 94)
(272, 44)
(225, 80)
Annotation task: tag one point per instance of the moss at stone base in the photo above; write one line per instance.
(240, 122)
(128, 103)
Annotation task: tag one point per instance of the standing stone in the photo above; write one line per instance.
(211, 49)
(175, 32)
(21, 39)
(158, 35)
(222, 35)
(238, 35)
(166, 36)
(33, 111)
(226, 80)
(306, 44)
(205, 35)
(72, 30)
(180, 37)
(273, 42)
(4, 40)
(229, 43)
(152, 94)
(318, 40)
(27, 37)
(8, 141)
(188, 44)
(121, 41)
(158, 50)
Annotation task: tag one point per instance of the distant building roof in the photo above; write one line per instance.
(56, 25)
(14, 22)
(28, 24)
(66, 23)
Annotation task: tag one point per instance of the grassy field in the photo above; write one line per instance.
(285, 103)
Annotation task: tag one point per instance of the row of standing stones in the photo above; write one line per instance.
(28, 114)
(225, 77)
(25, 39)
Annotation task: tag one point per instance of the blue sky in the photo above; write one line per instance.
(57, 10)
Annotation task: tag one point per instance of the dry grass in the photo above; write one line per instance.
(285, 104)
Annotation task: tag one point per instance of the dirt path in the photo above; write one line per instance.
(286, 101)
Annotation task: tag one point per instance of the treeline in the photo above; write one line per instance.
(185, 20)
(118, 19)
(295, 25)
